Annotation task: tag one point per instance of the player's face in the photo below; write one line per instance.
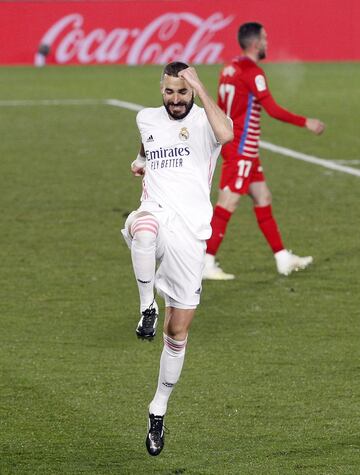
(262, 44)
(178, 97)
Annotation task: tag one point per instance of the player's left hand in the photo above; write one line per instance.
(315, 126)
(191, 77)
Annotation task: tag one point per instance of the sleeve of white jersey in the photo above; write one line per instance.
(138, 119)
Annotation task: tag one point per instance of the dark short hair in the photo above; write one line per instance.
(172, 69)
(248, 32)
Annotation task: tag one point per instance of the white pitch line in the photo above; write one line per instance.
(308, 158)
(350, 161)
(124, 105)
(332, 165)
(52, 102)
(265, 145)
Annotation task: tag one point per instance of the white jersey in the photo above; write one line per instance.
(180, 161)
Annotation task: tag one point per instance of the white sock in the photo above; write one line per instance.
(171, 363)
(209, 260)
(143, 249)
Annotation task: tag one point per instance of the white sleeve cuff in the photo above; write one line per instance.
(139, 162)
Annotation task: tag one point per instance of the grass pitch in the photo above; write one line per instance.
(271, 379)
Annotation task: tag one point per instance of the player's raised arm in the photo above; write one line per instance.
(220, 123)
(138, 165)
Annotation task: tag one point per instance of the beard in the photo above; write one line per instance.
(262, 54)
(178, 115)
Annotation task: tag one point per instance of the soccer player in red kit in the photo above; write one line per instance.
(242, 93)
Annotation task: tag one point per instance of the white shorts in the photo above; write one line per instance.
(180, 256)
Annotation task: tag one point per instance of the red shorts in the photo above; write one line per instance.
(238, 172)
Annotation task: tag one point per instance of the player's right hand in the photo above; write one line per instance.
(137, 171)
(315, 126)
(138, 165)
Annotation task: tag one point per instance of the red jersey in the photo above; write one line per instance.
(242, 93)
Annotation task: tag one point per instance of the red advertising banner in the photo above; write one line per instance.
(131, 32)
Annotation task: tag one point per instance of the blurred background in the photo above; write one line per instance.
(155, 32)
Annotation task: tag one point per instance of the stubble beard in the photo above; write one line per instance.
(188, 107)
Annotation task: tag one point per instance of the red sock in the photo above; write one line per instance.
(269, 228)
(219, 223)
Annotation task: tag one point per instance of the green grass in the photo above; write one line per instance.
(271, 379)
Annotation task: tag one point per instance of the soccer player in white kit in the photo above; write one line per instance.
(180, 143)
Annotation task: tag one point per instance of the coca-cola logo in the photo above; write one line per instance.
(159, 42)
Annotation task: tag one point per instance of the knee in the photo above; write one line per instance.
(144, 230)
(263, 199)
(177, 329)
(231, 207)
(177, 333)
(228, 200)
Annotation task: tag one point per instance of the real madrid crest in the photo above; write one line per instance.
(184, 133)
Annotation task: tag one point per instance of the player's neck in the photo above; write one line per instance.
(252, 55)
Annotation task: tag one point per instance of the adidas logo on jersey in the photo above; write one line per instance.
(150, 138)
